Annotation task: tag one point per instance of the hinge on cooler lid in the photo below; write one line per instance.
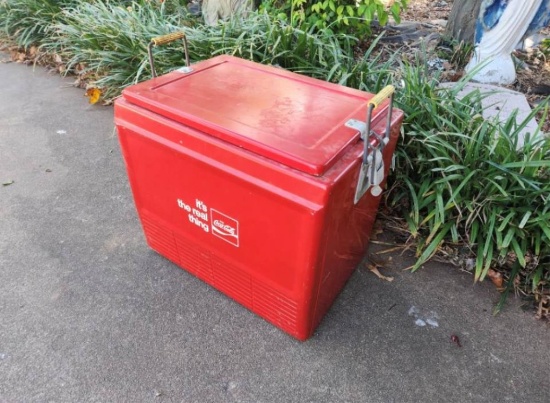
(185, 69)
(372, 169)
(361, 127)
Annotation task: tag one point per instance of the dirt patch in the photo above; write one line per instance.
(427, 10)
(533, 70)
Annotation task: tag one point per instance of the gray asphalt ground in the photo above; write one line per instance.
(89, 314)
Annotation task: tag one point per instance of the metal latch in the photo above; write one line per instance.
(371, 174)
(358, 125)
(361, 127)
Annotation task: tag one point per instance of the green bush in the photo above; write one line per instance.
(545, 47)
(343, 16)
(111, 42)
(27, 21)
(463, 179)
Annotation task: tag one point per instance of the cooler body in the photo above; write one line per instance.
(278, 232)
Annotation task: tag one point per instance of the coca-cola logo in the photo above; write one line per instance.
(224, 227)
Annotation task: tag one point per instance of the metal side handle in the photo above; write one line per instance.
(163, 40)
(371, 173)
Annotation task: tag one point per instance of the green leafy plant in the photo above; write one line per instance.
(347, 16)
(464, 179)
(27, 21)
(457, 52)
(545, 47)
(111, 42)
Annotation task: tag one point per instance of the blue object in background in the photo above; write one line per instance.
(541, 20)
(491, 11)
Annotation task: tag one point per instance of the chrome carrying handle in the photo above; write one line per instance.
(163, 40)
(371, 171)
(375, 102)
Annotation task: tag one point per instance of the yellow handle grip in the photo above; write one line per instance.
(381, 96)
(164, 39)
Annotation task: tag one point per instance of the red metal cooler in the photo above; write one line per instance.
(257, 180)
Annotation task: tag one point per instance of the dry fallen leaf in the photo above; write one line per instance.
(373, 268)
(377, 229)
(33, 51)
(496, 278)
(543, 310)
(93, 95)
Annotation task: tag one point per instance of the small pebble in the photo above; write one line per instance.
(420, 322)
(432, 322)
(436, 64)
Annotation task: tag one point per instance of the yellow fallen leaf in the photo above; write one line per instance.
(93, 95)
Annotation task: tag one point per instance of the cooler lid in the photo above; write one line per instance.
(292, 119)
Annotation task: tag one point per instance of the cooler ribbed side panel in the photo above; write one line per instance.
(195, 259)
(232, 281)
(226, 277)
(160, 239)
(275, 307)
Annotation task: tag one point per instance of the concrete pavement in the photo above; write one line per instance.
(89, 314)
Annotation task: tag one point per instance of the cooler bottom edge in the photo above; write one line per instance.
(260, 298)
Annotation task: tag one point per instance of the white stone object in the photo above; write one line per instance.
(214, 10)
(530, 42)
(500, 103)
(492, 55)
